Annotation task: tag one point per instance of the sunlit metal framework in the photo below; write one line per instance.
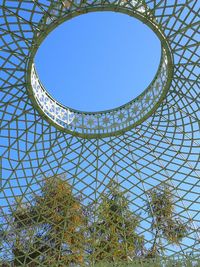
(152, 139)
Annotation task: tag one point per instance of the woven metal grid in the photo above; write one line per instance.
(165, 147)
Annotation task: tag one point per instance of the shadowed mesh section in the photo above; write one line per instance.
(103, 190)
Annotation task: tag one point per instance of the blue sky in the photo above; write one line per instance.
(98, 61)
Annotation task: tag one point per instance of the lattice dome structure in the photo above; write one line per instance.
(152, 141)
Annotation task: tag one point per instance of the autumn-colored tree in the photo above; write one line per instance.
(53, 229)
(165, 222)
(113, 232)
(50, 230)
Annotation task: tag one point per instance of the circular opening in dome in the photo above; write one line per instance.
(98, 61)
(115, 118)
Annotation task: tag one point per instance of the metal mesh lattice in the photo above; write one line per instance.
(164, 147)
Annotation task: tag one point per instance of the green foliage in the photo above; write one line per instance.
(191, 261)
(50, 229)
(53, 229)
(165, 223)
(114, 227)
